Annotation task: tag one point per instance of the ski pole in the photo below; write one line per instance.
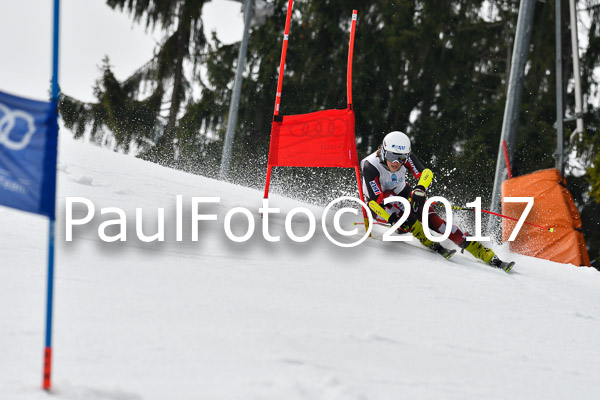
(503, 216)
(374, 222)
(382, 224)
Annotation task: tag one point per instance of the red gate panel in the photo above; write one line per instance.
(318, 139)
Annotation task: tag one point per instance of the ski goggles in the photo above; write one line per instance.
(395, 157)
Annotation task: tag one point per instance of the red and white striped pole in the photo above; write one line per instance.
(286, 34)
(350, 55)
(349, 92)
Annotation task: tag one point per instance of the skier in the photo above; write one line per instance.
(384, 175)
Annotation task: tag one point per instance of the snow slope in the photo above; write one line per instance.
(215, 319)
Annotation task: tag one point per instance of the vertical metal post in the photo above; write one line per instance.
(510, 122)
(47, 374)
(559, 91)
(576, 70)
(237, 88)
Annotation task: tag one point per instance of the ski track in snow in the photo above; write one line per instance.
(215, 319)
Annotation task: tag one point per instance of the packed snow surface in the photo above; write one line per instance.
(216, 319)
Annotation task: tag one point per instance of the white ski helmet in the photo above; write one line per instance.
(395, 147)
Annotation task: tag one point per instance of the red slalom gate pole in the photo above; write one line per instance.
(349, 93)
(286, 34)
(506, 159)
(350, 56)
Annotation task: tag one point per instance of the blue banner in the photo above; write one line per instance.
(28, 145)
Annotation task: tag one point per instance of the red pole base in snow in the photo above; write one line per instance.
(47, 368)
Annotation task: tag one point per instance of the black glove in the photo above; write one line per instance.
(417, 199)
(393, 218)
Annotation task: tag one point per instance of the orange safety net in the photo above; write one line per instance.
(553, 207)
(318, 139)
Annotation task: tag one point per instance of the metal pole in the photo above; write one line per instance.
(559, 91)
(237, 88)
(576, 70)
(510, 122)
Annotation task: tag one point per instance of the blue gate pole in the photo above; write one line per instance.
(50, 288)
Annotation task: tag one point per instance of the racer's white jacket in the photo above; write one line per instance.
(379, 183)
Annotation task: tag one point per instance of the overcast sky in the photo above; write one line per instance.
(89, 30)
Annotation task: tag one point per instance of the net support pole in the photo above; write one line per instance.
(286, 34)
(576, 68)
(512, 108)
(237, 90)
(47, 374)
(560, 152)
